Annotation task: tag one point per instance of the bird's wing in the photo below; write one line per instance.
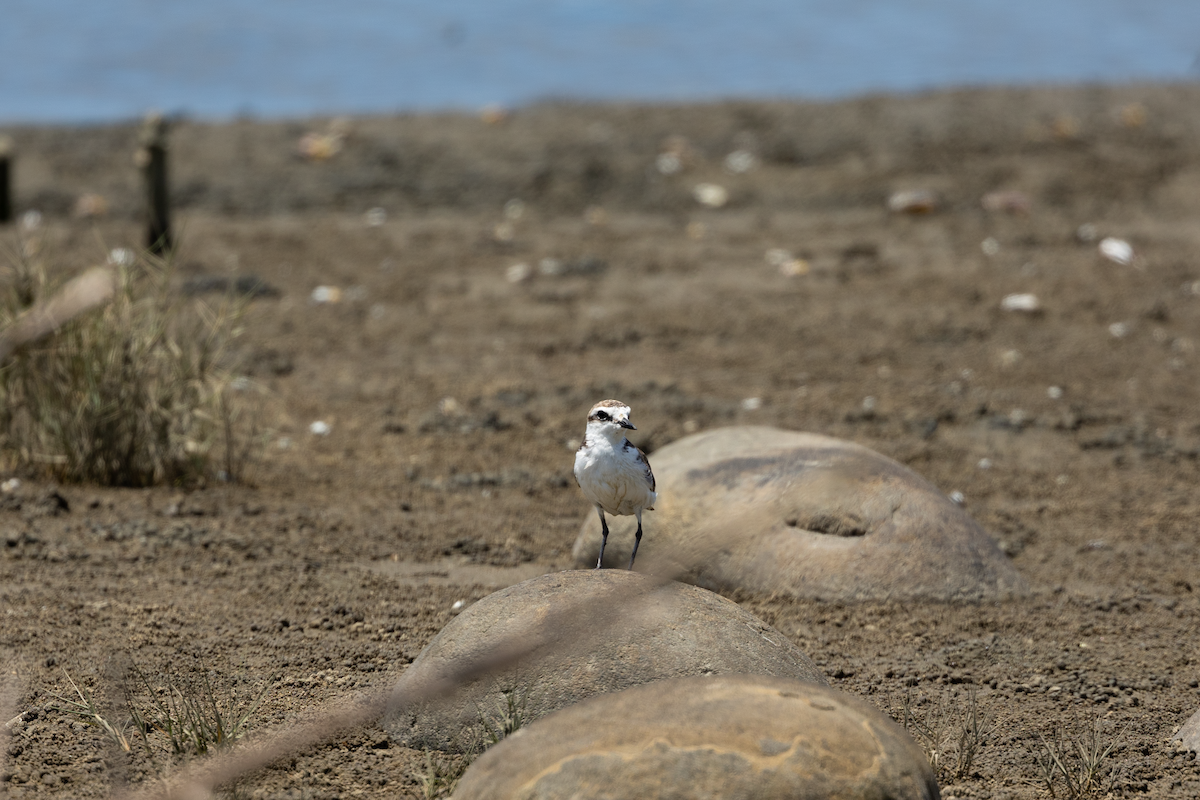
(646, 463)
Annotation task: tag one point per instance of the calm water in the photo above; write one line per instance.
(75, 61)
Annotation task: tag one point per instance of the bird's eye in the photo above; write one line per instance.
(601, 415)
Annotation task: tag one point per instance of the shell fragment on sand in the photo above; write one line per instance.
(1116, 250)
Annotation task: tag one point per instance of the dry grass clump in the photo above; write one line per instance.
(132, 392)
(950, 731)
(1077, 766)
(175, 716)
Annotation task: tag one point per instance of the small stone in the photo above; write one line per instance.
(326, 294)
(913, 201)
(319, 428)
(320, 146)
(668, 163)
(1010, 358)
(518, 273)
(121, 257)
(788, 265)
(710, 194)
(1020, 302)
(740, 161)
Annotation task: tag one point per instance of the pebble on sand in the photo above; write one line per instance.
(326, 294)
(518, 273)
(320, 146)
(1021, 302)
(710, 194)
(788, 265)
(740, 161)
(913, 201)
(121, 256)
(668, 163)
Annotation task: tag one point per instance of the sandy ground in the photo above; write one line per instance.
(454, 396)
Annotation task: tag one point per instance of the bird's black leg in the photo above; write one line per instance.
(637, 540)
(603, 536)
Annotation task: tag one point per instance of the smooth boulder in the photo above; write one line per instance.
(608, 630)
(1189, 734)
(742, 736)
(806, 515)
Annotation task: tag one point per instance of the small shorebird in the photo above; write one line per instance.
(612, 473)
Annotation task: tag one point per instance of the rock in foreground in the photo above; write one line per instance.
(1189, 734)
(807, 515)
(674, 630)
(738, 736)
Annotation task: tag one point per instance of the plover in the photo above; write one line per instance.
(612, 473)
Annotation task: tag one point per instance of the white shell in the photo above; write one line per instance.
(1020, 302)
(1117, 250)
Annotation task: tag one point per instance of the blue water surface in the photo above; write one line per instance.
(75, 62)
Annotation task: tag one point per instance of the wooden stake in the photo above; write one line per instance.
(152, 158)
(6, 212)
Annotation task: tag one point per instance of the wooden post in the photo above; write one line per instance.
(152, 158)
(6, 210)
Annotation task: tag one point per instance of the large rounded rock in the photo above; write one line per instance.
(1189, 734)
(672, 631)
(809, 516)
(744, 736)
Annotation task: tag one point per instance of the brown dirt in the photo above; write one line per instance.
(342, 558)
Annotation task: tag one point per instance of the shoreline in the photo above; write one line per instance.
(543, 153)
